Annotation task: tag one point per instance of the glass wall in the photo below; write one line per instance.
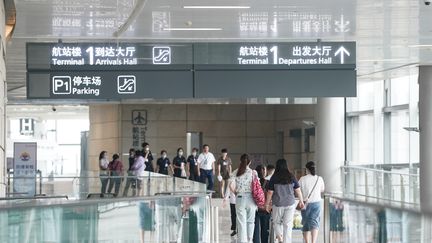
(354, 222)
(57, 131)
(382, 122)
(383, 139)
(154, 219)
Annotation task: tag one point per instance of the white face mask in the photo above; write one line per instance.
(180, 153)
(147, 149)
(194, 153)
(164, 156)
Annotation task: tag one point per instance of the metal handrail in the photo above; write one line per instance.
(31, 203)
(36, 197)
(378, 170)
(85, 179)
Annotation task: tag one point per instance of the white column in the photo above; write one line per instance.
(3, 95)
(330, 141)
(425, 124)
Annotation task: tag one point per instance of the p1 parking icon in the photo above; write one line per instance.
(61, 85)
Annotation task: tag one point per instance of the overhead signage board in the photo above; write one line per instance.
(117, 71)
(109, 85)
(108, 56)
(292, 55)
(24, 167)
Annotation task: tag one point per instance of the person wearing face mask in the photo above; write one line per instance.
(163, 163)
(179, 164)
(192, 166)
(148, 157)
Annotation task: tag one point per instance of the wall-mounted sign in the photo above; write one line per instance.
(113, 56)
(26, 126)
(139, 127)
(25, 166)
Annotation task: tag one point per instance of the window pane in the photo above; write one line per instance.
(367, 92)
(362, 129)
(399, 137)
(400, 90)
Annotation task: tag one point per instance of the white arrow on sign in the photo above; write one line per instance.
(342, 51)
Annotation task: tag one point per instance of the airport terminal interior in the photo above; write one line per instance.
(203, 121)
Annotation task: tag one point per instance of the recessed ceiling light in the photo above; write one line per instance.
(192, 29)
(216, 7)
(383, 60)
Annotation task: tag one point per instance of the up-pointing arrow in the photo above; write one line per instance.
(342, 52)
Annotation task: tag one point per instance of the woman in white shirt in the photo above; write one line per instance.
(245, 204)
(311, 187)
(103, 171)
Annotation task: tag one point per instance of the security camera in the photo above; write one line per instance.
(427, 2)
(53, 109)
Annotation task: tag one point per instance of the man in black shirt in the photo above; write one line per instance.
(148, 157)
(179, 164)
(192, 164)
(163, 163)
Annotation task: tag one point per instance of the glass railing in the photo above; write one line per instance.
(358, 222)
(173, 218)
(378, 184)
(89, 185)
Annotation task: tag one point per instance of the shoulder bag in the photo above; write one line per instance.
(310, 193)
(257, 191)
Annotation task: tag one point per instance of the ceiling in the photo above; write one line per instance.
(390, 34)
(48, 112)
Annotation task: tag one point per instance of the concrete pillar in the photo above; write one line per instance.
(104, 134)
(425, 124)
(330, 141)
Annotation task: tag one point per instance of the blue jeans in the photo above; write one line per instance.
(207, 174)
(262, 227)
(246, 210)
(104, 181)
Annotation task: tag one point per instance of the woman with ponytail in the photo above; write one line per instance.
(241, 185)
(311, 186)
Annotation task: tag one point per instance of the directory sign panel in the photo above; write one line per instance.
(292, 55)
(108, 56)
(24, 167)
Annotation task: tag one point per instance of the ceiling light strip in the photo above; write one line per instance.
(415, 46)
(192, 29)
(216, 7)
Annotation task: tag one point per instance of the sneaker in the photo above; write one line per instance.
(233, 233)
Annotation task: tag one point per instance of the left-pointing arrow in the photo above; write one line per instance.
(342, 52)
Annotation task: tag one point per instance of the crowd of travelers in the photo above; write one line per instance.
(259, 199)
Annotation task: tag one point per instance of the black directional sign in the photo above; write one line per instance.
(293, 55)
(116, 71)
(108, 56)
